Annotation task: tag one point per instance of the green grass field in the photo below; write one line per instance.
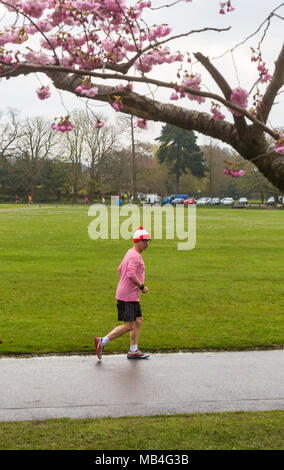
(58, 291)
(58, 286)
(208, 431)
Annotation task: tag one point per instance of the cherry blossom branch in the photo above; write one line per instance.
(147, 108)
(35, 25)
(132, 34)
(135, 43)
(23, 69)
(172, 38)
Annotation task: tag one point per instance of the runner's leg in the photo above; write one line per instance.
(134, 333)
(121, 330)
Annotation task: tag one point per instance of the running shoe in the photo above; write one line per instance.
(99, 347)
(137, 355)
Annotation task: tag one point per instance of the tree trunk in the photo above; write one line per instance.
(134, 188)
(92, 181)
(33, 191)
(177, 175)
(261, 194)
(210, 171)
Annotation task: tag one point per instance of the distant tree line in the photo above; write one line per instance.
(55, 167)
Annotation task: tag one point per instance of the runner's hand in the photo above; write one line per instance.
(145, 290)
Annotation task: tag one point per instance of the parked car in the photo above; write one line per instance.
(227, 201)
(203, 201)
(215, 201)
(243, 200)
(165, 200)
(178, 196)
(270, 201)
(177, 200)
(189, 201)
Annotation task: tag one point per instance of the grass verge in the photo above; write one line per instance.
(212, 431)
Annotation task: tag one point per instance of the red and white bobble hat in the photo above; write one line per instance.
(141, 234)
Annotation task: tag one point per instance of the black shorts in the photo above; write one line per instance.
(128, 311)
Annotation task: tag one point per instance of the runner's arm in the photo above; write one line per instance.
(131, 274)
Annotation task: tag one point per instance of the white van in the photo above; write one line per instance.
(152, 198)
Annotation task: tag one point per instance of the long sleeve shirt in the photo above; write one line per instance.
(130, 270)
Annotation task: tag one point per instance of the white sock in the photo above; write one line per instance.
(105, 340)
(133, 348)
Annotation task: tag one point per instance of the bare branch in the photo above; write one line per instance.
(255, 32)
(167, 6)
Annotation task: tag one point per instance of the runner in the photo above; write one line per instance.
(131, 272)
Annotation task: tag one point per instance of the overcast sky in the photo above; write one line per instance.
(19, 93)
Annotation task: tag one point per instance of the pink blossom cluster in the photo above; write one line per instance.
(99, 124)
(239, 96)
(85, 5)
(159, 32)
(157, 56)
(193, 81)
(128, 87)
(34, 8)
(144, 4)
(114, 51)
(223, 5)
(233, 169)
(38, 58)
(43, 92)
(64, 124)
(130, 47)
(43, 26)
(234, 173)
(279, 144)
(86, 88)
(178, 93)
(88, 49)
(174, 96)
(92, 34)
(264, 74)
(6, 58)
(216, 113)
(142, 123)
(13, 35)
(117, 103)
(111, 11)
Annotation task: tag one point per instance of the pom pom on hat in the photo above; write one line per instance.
(141, 234)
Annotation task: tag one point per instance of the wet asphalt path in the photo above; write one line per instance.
(46, 387)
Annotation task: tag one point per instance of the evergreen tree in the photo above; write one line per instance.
(181, 154)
